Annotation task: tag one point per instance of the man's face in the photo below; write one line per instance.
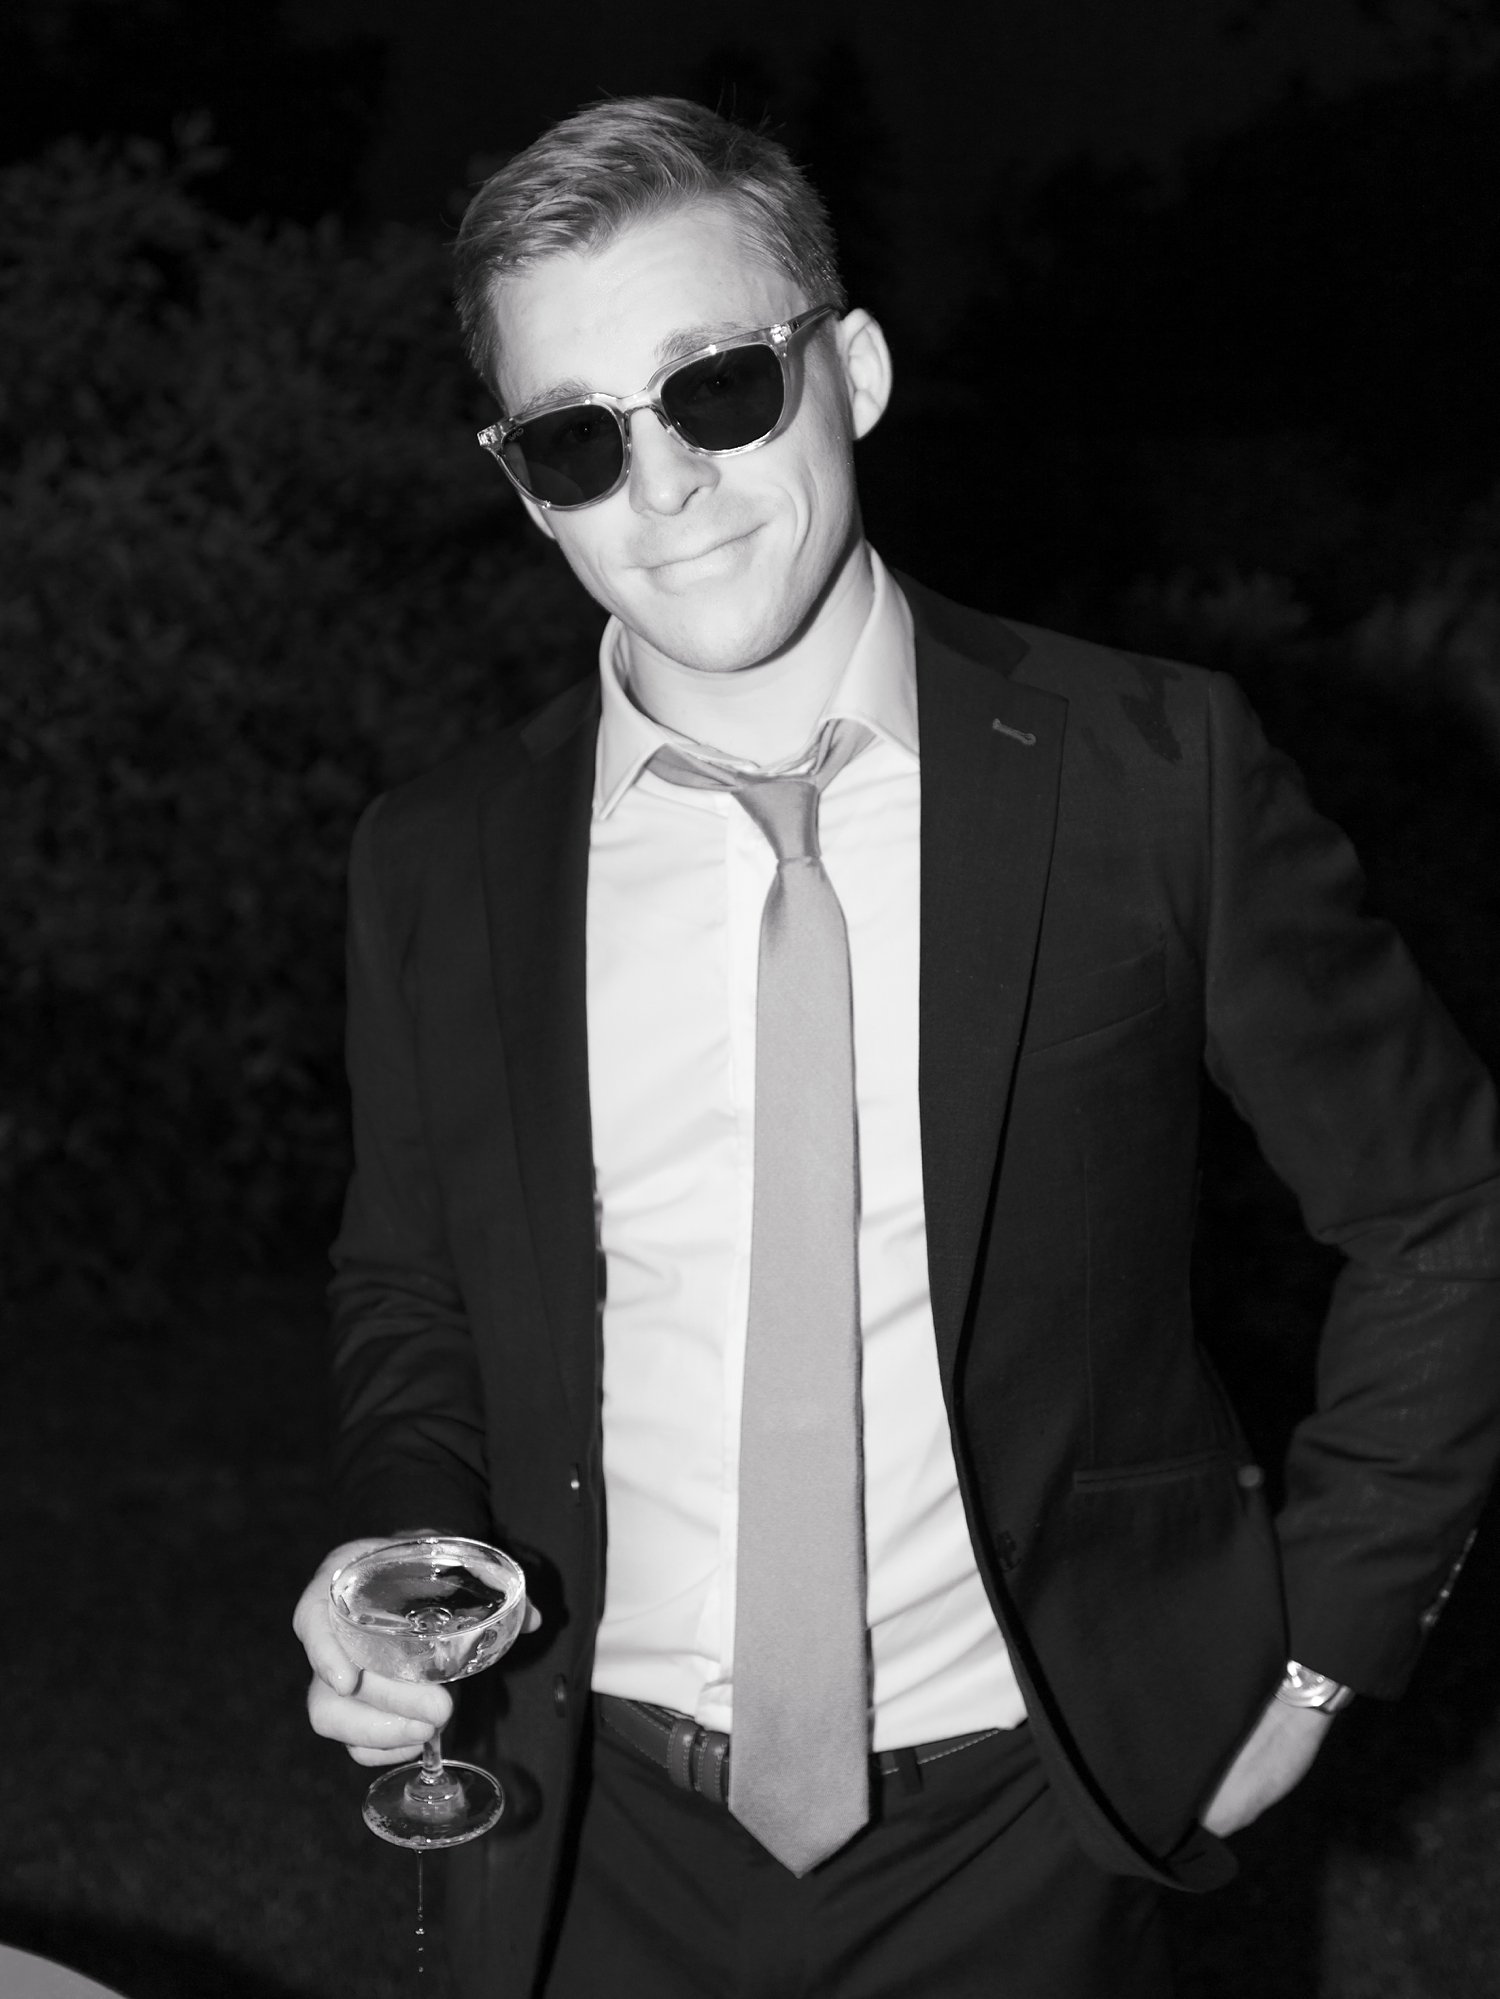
(717, 563)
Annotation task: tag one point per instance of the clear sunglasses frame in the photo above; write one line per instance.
(494, 437)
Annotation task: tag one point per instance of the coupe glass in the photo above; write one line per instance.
(435, 1608)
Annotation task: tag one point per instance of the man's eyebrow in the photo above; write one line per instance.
(560, 392)
(690, 338)
(687, 340)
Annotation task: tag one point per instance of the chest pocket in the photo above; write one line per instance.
(1066, 1009)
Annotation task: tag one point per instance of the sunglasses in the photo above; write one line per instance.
(721, 399)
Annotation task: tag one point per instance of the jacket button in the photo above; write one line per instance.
(1251, 1477)
(560, 1696)
(575, 1484)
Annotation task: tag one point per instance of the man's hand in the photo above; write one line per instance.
(1276, 1757)
(377, 1719)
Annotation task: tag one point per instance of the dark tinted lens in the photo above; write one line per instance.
(567, 456)
(727, 400)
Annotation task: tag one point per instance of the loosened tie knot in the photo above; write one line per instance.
(786, 811)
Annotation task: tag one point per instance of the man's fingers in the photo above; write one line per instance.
(373, 1759)
(533, 1618)
(385, 1714)
(313, 1622)
(418, 1700)
(325, 1655)
(361, 1727)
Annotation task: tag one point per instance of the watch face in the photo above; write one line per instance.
(1302, 1687)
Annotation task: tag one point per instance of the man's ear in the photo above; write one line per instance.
(538, 515)
(867, 368)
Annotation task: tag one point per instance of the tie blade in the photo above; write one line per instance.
(799, 1767)
(804, 1828)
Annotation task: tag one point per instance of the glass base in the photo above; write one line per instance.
(464, 1804)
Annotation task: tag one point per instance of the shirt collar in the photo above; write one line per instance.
(878, 687)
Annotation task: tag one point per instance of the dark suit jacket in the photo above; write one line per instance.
(1121, 886)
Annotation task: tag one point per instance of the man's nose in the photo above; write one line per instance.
(664, 474)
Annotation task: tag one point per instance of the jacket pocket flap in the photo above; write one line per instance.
(1155, 1471)
(1064, 1009)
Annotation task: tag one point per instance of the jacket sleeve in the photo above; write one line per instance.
(1368, 1103)
(408, 1420)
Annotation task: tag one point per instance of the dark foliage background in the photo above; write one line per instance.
(253, 568)
(255, 573)
(258, 569)
(296, 118)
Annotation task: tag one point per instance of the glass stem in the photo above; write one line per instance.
(432, 1759)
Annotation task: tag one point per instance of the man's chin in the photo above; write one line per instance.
(715, 652)
(715, 632)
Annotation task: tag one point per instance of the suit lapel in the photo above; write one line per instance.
(991, 756)
(989, 803)
(534, 829)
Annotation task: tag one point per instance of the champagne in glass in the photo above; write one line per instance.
(436, 1608)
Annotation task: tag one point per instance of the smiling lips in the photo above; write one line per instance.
(677, 562)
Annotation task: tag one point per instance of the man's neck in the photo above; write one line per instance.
(766, 712)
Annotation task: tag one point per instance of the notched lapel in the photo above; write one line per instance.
(991, 761)
(534, 829)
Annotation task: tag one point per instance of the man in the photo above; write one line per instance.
(835, 977)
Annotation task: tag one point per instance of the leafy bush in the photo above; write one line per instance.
(255, 569)
(1442, 636)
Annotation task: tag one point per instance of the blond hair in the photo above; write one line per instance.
(625, 160)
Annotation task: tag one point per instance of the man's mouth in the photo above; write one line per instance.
(667, 566)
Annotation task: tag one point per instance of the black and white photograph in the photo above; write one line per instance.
(750, 916)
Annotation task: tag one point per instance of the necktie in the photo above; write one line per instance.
(799, 1763)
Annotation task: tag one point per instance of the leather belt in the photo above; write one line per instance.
(697, 1758)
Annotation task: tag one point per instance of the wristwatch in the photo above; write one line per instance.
(1302, 1687)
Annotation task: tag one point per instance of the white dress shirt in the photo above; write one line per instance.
(677, 880)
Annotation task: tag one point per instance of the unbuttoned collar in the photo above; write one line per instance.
(878, 687)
